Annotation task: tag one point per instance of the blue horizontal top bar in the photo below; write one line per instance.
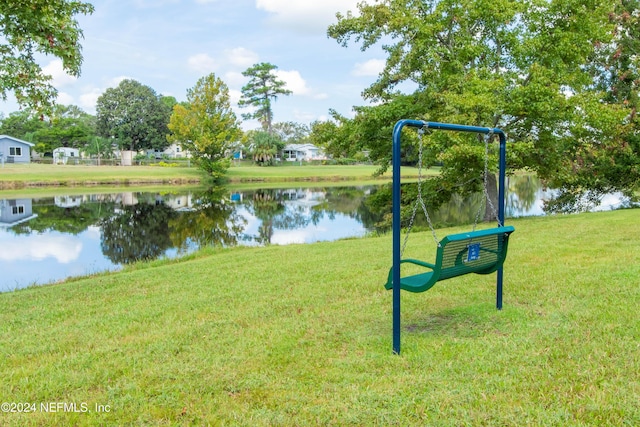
(479, 233)
(448, 126)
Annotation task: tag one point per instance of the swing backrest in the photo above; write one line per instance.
(481, 252)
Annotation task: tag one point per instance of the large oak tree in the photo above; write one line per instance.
(134, 115)
(530, 67)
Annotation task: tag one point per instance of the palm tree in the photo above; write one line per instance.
(264, 147)
(99, 147)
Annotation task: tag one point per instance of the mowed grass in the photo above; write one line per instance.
(294, 172)
(301, 335)
(38, 175)
(33, 174)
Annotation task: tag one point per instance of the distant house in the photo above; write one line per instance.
(173, 151)
(62, 155)
(14, 150)
(297, 152)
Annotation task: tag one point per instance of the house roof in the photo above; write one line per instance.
(30, 144)
(66, 149)
(300, 147)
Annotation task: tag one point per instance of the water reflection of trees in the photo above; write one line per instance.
(292, 209)
(211, 220)
(522, 193)
(137, 232)
(139, 226)
(265, 205)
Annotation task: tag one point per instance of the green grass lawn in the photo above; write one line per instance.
(19, 175)
(38, 175)
(301, 335)
(295, 172)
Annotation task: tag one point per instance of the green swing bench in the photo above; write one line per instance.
(480, 252)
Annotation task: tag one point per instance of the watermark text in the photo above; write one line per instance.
(52, 407)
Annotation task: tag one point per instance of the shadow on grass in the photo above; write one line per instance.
(459, 322)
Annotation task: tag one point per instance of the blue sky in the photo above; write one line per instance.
(169, 44)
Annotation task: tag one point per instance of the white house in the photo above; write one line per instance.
(14, 150)
(173, 151)
(298, 152)
(62, 155)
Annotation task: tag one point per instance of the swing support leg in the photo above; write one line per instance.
(396, 154)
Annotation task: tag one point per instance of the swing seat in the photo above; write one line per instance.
(480, 252)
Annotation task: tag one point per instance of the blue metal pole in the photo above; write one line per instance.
(501, 208)
(397, 132)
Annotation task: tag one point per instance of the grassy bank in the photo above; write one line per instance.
(14, 176)
(39, 175)
(294, 172)
(301, 335)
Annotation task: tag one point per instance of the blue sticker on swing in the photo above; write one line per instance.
(473, 252)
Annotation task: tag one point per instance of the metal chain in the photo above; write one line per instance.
(420, 200)
(485, 185)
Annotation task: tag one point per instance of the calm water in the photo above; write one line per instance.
(49, 239)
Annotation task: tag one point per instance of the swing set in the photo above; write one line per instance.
(477, 251)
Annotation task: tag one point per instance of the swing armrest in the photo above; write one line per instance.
(389, 284)
(418, 262)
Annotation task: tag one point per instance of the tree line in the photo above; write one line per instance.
(132, 116)
(560, 77)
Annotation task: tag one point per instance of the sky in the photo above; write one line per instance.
(169, 44)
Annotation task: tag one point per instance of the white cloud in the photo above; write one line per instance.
(241, 57)
(65, 99)
(63, 248)
(234, 96)
(90, 94)
(234, 78)
(304, 117)
(202, 63)
(305, 15)
(294, 82)
(372, 67)
(89, 98)
(57, 73)
(115, 81)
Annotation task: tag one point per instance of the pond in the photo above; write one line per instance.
(49, 239)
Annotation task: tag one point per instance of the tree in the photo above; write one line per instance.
(134, 115)
(528, 67)
(207, 126)
(292, 132)
(263, 86)
(169, 101)
(68, 126)
(38, 27)
(337, 136)
(21, 124)
(616, 165)
(99, 147)
(264, 147)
